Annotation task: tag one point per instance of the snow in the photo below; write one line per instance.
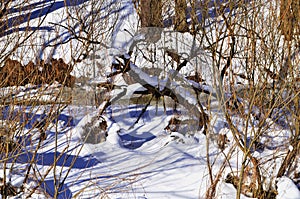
(136, 159)
(227, 191)
(287, 189)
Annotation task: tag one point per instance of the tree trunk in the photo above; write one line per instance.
(150, 12)
(194, 19)
(180, 16)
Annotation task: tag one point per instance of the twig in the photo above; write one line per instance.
(142, 113)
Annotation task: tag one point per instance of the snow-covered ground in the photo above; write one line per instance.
(84, 155)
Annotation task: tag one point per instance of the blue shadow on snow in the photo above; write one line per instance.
(63, 190)
(30, 120)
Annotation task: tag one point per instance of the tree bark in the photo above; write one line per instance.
(180, 16)
(150, 12)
